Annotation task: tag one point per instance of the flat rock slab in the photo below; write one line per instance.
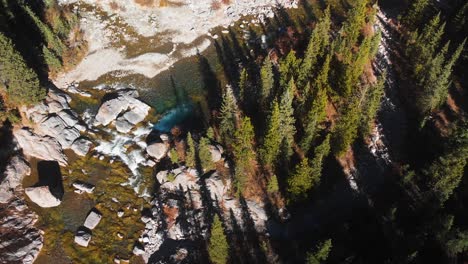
(93, 219)
(83, 186)
(42, 196)
(82, 237)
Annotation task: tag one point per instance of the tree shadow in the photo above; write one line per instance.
(210, 82)
(50, 175)
(251, 234)
(8, 146)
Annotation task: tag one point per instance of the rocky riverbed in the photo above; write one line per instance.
(93, 173)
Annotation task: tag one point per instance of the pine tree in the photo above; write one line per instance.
(321, 254)
(316, 115)
(446, 172)
(415, 13)
(320, 153)
(371, 105)
(443, 82)
(174, 156)
(345, 131)
(267, 78)
(272, 140)
(243, 150)
(53, 42)
(218, 247)
(273, 185)
(288, 68)
(205, 154)
(243, 82)
(287, 120)
(319, 41)
(228, 115)
(299, 183)
(351, 29)
(20, 82)
(190, 151)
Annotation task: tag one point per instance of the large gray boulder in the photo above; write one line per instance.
(56, 127)
(81, 146)
(14, 173)
(134, 111)
(157, 150)
(44, 148)
(93, 219)
(42, 196)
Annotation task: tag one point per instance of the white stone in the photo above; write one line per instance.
(42, 196)
(92, 220)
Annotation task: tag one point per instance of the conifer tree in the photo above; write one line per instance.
(345, 131)
(446, 172)
(52, 40)
(320, 153)
(272, 140)
(299, 182)
(228, 115)
(243, 150)
(218, 247)
(371, 105)
(190, 152)
(20, 82)
(321, 253)
(351, 30)
(319, 40)
(267, 78)
(287, 127)
(315, 117)
(288, 68)
(243, 82)
(205, 154)
(415, 13)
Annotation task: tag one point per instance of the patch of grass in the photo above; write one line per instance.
(109, 180)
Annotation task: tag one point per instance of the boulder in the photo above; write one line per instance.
(217, 188)
(44, 148)
(123, 126)
(14, 173)
(42, 196)
(93, 219)
(138, 249)
(134, 111)
(56, 127)
(157, 150)
(81, 146)
(83, 186)
(216, 153)
(82, 237)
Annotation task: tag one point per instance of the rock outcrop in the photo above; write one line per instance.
(56, 127)
(20, 241)
(41, 147)
(81, 146)
(14, 173)
(42, 196)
